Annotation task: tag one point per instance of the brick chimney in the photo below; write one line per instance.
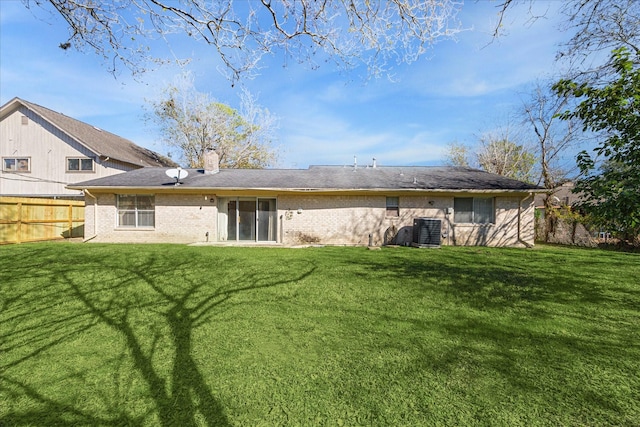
(211, 162)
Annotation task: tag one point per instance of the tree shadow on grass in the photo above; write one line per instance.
(547, 373)
(494, 278)
(141, 305)
(551, 329)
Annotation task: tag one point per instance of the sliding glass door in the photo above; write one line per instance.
(267, 215)
(247, 219)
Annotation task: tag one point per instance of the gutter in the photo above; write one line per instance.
(520, 222)
(196, 189)
(95, 216)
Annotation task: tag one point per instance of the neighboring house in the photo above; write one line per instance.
(561, 197)
(42, 151)
(319, 205)
(563, 228)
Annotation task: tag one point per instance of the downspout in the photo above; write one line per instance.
(95, 215)
(520, 222)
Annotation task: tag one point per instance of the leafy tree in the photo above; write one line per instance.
(611, 193)
(553, 138)
(496, 152)
(194, 123)
(242, 32)
(507, 158)
(457, 154)
(595, 28)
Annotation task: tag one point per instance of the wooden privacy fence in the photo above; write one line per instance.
(30, 219)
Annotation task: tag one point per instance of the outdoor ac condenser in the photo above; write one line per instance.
(427, 232)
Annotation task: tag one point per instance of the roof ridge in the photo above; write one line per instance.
(68, 131)
(95, 139)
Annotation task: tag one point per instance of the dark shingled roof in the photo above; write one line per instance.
(319, 178)
(99, 141)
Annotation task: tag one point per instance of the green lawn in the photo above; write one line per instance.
(107, 335)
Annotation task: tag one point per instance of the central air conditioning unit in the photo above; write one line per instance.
(426, 232)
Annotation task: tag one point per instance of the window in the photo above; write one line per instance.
(79, 164)
(16, 164)
(393, 206)
(473, 210)
(136, 211)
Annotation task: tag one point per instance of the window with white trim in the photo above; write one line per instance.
(473, 210)
(16, 164)
(79, 164)
(136, 211)
(393, 206)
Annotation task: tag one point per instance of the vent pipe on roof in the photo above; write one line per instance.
(211, 162)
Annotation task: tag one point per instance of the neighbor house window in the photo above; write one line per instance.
(473, 210)
(16, 164)
(79, 164)
(136, 211)
(393, 206)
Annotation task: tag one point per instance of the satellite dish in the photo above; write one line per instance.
(177, 174)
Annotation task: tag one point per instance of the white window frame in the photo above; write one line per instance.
(80, 160)
(136, 212)
(475, 210)
(15, 162)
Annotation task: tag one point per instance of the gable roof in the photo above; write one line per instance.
(318, 179)
(100, 142)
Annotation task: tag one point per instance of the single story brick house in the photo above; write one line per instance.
(333, 205)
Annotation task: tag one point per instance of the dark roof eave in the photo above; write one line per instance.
(302, 190)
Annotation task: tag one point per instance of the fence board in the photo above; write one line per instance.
(24, 219)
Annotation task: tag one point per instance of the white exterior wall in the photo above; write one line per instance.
(48, 149)
(337, 220)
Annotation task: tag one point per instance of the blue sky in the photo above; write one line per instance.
(462, 88)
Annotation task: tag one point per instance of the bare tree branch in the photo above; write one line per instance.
(596, 28)
(347, 32)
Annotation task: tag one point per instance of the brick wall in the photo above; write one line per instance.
(505, 230)
(350, 220)
(309, 219)
(179, 218)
